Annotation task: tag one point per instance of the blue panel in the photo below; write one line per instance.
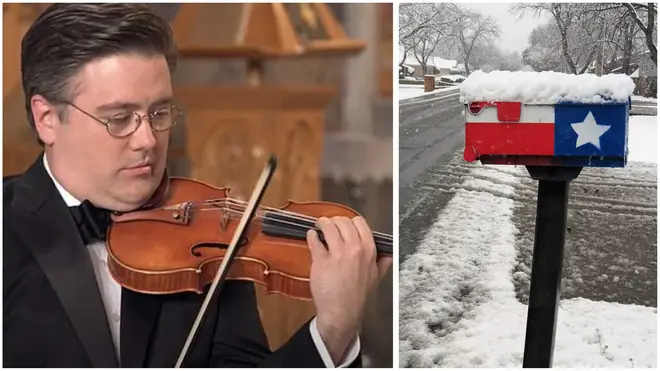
(596, 161)
(553, 161)
(591, 130)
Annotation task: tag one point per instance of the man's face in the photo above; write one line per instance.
(120, 173)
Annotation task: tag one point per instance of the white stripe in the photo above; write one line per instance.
(529, 114)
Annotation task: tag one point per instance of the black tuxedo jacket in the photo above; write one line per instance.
(54, 315)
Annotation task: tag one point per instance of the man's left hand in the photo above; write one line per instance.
(342, 277)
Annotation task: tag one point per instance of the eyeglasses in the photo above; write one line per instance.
(122, 125)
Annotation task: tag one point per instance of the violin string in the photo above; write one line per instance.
(310, 222)
(274, 211)
(382, 237)
(288, 222)
(291, 214)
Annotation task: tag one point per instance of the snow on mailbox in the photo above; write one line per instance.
(546, 118)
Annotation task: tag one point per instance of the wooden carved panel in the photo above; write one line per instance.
(300, 159)
(230, 150)
(230, 131)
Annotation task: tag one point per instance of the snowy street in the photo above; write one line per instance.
(427, 132)
(468, 235)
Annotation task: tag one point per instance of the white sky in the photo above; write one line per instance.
(514, 32)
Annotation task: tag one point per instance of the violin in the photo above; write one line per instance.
(192, 234)
(178, 247)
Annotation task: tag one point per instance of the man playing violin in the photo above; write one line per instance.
(98, 93)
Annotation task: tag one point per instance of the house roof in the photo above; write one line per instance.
(409, 68)
(437, 62)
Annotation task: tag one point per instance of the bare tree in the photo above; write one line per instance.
(422, 26)
(586, 43)
(424, 48)
(471, 28)
(651, 10)
(485, 56)
(597, 26)
(446, 48)
(449, 30)
(629, 43)
(543, 52)
(416, 18)
(565, 17)
(621, 39)
(613, 33)
(510, 61)
(603, 36)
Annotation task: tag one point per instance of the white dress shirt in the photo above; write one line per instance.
(111, 291)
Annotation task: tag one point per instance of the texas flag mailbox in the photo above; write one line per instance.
(565, 124)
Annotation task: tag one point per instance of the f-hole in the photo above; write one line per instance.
(211, 245)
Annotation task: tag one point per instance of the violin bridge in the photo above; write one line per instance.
(224, 219)
(187, 209)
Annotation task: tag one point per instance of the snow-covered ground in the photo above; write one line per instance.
(642, 139)
(459, 305)
(644, 99)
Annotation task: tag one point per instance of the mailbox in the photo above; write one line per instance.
(546, 118)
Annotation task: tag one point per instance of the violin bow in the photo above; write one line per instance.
(221, 274)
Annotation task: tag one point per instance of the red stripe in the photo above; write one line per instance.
(510, 139)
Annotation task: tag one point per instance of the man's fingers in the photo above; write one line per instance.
(366, 236)
(330, 232)
(349, 234)
(316, 247)
(384, 263)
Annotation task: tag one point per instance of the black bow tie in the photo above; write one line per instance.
(92, 221)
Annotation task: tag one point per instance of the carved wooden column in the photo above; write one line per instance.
(357, 166)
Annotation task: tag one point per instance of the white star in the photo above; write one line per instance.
(589, 131)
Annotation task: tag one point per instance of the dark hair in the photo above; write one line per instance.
(65, 37)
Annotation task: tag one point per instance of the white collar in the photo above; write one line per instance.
(68, 197)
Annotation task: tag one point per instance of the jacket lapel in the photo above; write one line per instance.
(139, 314)
(61, 254)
